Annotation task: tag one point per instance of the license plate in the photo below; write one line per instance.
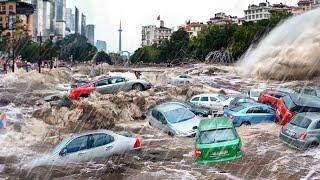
(219, 153)
(290, 133)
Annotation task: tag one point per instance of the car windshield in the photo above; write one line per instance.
(288, 102)
(222, 97)
(255, 93)
(216, 136)
(301, 121)
(179, 115)
(61, 145)
(237, 108)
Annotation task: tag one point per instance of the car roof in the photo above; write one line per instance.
(305, 100)
(255, 104)
(310, 115)
(215, 123)
(90, 132)
(165, 107)
(207, 94)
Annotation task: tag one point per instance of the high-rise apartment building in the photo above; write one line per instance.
(90, 33)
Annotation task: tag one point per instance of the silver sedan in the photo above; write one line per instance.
(85, 147)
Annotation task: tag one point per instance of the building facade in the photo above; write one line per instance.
(193, 28)
(221, 19)
(69, 21)
(90, 33)
(154, 35)
(76, 23)
(15, 15)
(101, 45)
(257, 12)
(83, 24)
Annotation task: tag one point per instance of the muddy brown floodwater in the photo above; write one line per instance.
(162, 156)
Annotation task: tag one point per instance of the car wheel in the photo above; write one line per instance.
(137, 87)
(150, 123)
(314, 145)
(246, 123)
(85, 96)
(170, 133)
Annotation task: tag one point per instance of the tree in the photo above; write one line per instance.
(102, 57)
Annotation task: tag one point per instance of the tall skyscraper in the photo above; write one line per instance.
(101, 45)
(120, 39)
(60, 14)
(90, 33)
(83, 24)
(70, 21)
(76, 24)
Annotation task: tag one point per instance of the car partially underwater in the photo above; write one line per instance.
(250, 113)
(216, 141)
(87, 147)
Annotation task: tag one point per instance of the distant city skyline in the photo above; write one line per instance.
(106, 15)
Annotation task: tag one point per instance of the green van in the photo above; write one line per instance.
(217, 140)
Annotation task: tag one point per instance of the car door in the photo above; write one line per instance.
(118, 84)
(204, 101)
(314, 132)
(253, 115)
(195, 101)
(215, 103)
(103, 146)
(76, 151)
(103, 86)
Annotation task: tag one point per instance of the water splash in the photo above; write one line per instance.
(290, 51)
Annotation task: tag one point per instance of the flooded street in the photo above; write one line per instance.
(35, 128)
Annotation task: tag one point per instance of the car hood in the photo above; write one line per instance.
(186, 126)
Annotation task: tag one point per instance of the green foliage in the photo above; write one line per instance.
(102, 57)
(77, 46)
(211, 38)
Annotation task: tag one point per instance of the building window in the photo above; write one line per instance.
(11, 8)
(0, 18)
(260, 15)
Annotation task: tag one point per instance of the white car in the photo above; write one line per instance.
(86, 147)
(255, 93)
(181, 79)
(213, 101)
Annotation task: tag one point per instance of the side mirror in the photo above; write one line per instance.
(195, 128)
(63, 152)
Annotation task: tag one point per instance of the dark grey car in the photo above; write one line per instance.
(303, 131)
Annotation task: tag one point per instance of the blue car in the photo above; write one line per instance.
(250, 113)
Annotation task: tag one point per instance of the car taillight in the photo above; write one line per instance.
(197, 152)
(137, 144)
(232, 117)
(303, 136)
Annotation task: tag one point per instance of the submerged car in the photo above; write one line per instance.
(272, 97)
(181, 79)
(303, 131)
(240, 99)
(217, 140)
(199, 111)
(174, 119)
(109, 85)
(250, 113)
(88, 146)
(213, 101)
(295, 103)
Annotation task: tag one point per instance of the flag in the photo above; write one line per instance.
(158, 18)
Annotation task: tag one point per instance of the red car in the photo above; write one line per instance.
(295, 103)
(109, 85)
(271, 97)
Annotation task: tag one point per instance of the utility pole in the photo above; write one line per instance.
(39, 60)
(13, 58)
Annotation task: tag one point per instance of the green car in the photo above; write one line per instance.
(217, 140)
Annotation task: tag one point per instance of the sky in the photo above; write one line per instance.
(106, 15)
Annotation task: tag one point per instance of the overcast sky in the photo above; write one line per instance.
(106, 15)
